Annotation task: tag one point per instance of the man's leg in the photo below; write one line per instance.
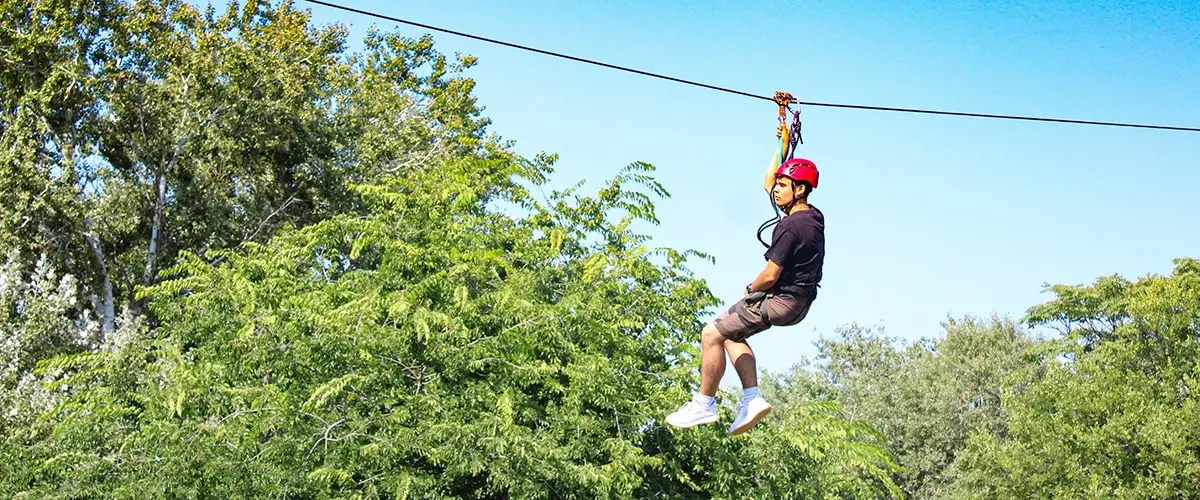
(702, 408)
(742, 357)
(753, 406)
(712, 360)
(738, 322)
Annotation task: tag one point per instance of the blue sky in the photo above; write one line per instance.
(927, 217)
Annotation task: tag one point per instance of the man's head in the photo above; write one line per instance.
(794, 180)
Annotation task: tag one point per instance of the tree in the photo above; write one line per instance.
(133, 131)
(927, 397)
(1114, 413)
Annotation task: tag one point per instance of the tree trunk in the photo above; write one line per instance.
(107, 306)
(155, 225)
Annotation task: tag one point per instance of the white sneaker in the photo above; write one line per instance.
(693, 414)
(749, 415)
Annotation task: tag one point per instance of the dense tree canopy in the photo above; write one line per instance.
(1113, 411)
(240, 260)
(245, 262)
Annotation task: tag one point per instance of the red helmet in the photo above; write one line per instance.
(799, 170)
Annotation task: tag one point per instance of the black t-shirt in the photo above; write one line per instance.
(798, 246)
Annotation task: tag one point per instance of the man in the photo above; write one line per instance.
(784, 291)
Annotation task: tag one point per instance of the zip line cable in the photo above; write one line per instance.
(742, 93)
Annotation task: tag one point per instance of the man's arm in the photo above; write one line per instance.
(766, 279)
(769, 179)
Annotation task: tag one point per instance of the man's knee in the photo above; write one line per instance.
(710, 336)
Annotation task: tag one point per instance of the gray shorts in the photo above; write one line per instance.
(744, 318)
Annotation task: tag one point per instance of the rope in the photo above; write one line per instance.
(748, 94)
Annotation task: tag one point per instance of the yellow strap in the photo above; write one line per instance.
(782, 132)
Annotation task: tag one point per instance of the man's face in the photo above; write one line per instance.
(783, 191)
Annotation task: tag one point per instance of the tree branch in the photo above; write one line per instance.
(109, 308)
(161, 191)
(411, 160)
(324, 438)
(160, 180)
(261, 225)
(527, 322)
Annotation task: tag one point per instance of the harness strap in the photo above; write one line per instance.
(763, 300)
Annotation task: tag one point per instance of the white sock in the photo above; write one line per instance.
(707, 401)
(750, 393)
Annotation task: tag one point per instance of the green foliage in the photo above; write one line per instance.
(331, 281)
(926, 398)
(132, 131)
(40, 319)
(1117, 418)
(335, 305)
(425, 350)
(1089, 314)
(809, 451)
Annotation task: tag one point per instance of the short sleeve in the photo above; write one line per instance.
(783, 244)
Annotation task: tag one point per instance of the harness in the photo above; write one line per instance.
(789, 136)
